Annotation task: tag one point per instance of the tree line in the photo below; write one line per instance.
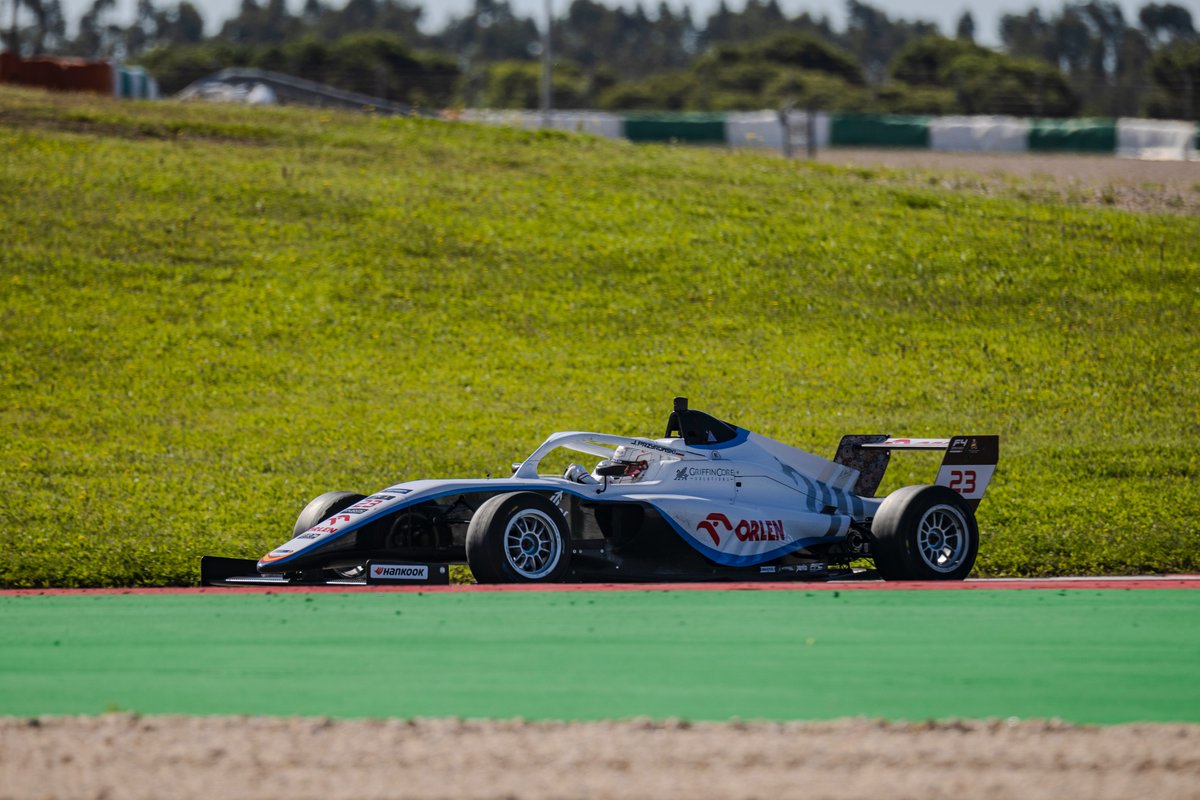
(1086, 58)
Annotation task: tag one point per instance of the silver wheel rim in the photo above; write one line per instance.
(942, 538)
(532, 544)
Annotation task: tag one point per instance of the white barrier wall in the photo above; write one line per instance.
(993, 134)
(754, 129)
(512, 119)
(597, 123)
(1156, 139)
(763, 129)
(1135, 138)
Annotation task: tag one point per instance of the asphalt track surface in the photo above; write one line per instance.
(1077, 651)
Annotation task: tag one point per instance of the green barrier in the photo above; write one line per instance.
(878, 130)
(1099, 656)
(699, 128)
(1073, 135)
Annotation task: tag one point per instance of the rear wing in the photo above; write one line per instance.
(967, 467)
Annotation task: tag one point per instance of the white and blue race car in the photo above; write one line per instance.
(707, 501)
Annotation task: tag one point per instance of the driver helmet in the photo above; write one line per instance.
(635, 460)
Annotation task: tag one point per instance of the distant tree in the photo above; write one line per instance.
(46, 33)
(1133, 64)
(99, 36)
(148, 26)
(874, 38)
(1029, 35)
(664, 91)
(491, 32)
(928, 61)
(309, 57)
(50, 25)
(516, 84)
(720, 24)
(1166, 22)
(1176, 71)
(807, 51)
(184, 25)
(1000, 84)
(985, 82)
(312, 12)
(797, 67)
(390, 16)
(1107, 24)
(758, 18)
(247, 26)
(628, 42)
(965, 29)
(1072, 40)
(176, 66)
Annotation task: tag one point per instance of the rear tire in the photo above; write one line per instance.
(925, 533)
(520, 537)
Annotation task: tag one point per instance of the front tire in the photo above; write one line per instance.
(323, 507)
(520, 537)
(925, 533)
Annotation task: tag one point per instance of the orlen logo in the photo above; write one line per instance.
(746, 530)
(400, 572)
(710, 523)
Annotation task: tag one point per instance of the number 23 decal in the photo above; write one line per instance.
(962, 480)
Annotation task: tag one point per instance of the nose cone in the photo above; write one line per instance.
(272, 561)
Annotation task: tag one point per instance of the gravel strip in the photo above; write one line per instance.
(127, 756)
(1162, 187)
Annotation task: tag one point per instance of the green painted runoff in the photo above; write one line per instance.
(1098, 656)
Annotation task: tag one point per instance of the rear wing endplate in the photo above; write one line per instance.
(967, 467)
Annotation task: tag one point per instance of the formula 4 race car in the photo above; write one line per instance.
(707, 501)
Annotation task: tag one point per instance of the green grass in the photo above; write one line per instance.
(211, 314)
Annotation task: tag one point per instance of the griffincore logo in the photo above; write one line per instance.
(400, 572)
(705, 474)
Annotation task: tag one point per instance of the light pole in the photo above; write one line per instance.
(546, 98)
(14, 40)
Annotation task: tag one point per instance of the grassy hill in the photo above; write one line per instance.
(209, 315)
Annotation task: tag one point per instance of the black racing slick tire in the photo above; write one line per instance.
(925, 533)
(519, 537)
(323, 507)
(320, 508)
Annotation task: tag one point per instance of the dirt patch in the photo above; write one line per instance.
(1107, 181)
(125, 756)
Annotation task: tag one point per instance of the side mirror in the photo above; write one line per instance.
(610, 470)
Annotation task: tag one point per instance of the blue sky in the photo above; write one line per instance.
(944, 12)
